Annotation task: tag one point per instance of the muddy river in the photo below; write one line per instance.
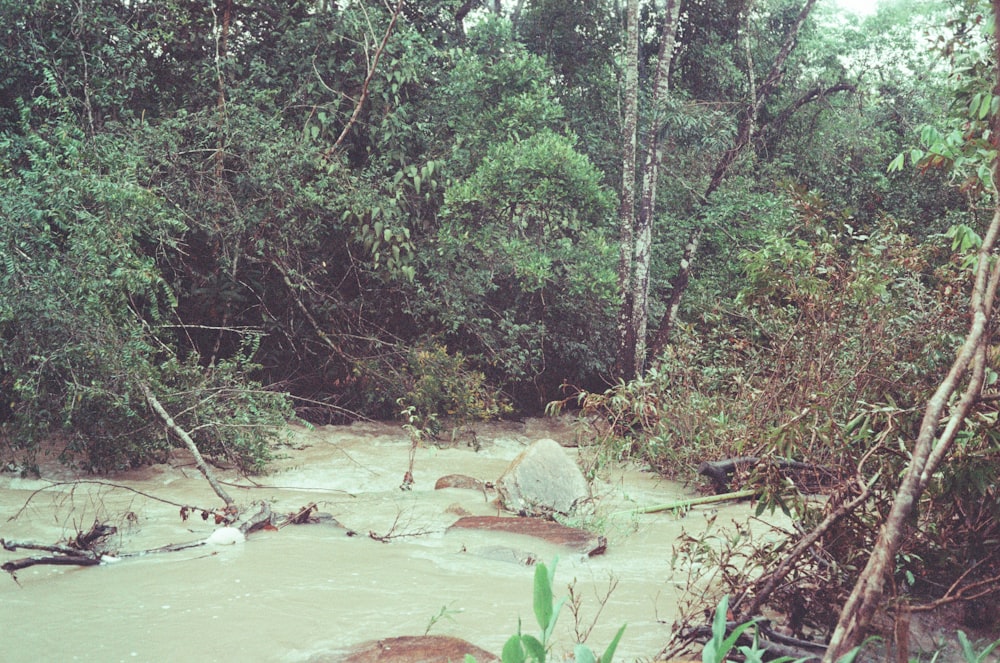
(291, 594)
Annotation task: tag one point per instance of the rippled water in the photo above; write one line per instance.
(303, 590)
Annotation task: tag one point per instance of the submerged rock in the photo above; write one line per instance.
(504, 554)
(409, 649)
(577, 539)
(541, 480)
(460, 481)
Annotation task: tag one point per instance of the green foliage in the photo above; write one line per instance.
(440, 388)
(522, 273)
(970, 653)
(721, 642)
(85, 312)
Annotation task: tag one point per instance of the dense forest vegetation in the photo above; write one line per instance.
(719, 227)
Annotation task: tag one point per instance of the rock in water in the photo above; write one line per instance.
(409, 649)
(561, 535)
(541, 480)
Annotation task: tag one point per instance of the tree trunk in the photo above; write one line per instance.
(626, 212)
(929, 449)
(221, 52)
(643, 233)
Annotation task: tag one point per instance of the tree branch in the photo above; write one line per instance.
(368, 80)
(188, 442)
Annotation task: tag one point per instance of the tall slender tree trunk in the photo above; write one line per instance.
(930, 449)
(626, 211)
(744, 135)
(221, 53)
(642, 238)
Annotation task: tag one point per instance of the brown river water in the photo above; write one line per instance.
(301, 591)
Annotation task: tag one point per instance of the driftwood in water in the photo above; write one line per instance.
(720, 472)
(80, 552)
(251, 521)
(69, 560)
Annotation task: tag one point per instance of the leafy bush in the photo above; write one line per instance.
(85, 314)
(433, 388)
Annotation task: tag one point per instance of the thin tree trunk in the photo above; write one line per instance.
(221, 48)
(643, 237)
(626, 212)
(929, 449)
(199, 461)
(744, 134)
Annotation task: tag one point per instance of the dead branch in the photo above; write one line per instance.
(14, 546)
(393, 533)
(251, 521)
(77, 553)
(771, 580)
(79, 559)
(721, 471)
(188, 442)
(301, 517)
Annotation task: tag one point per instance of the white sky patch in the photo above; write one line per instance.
(860, 8)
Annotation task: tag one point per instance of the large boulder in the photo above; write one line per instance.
(543, 479)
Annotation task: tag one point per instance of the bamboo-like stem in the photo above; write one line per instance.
(694, 501)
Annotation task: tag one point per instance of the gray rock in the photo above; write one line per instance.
(541, 480)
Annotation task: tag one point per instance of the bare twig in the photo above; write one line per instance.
(98, 482)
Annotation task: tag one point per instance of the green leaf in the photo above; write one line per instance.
(543, 596)
(609, 653)
(850, 656)
(582, 654)
(984, 106)
(513, 652)
(534, 647)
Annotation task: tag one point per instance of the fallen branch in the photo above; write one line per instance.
(721, 471)
(253, 521)
(771, 580)
(71, 555)
(302, 517)
(14, 546)
(78, 553)
(694, 501)
(80, 559)
(188, 442)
